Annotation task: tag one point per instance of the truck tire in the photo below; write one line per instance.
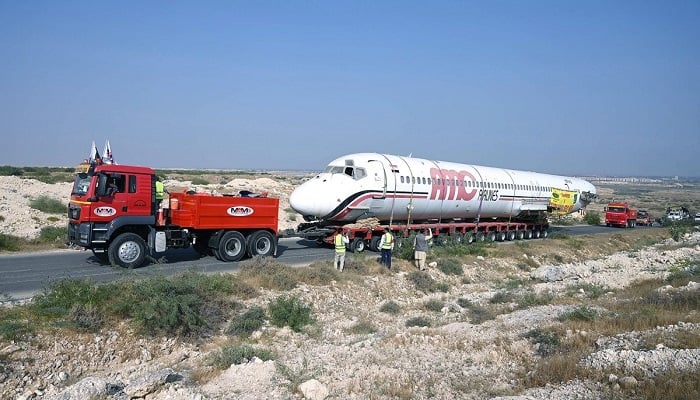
(374, 243)
(480, 237)
(232, 246)
(261, 243)
(528, 234)
(544, 233)
(500, 236)
(510, 236)
(357, 245)
(520, 235)
(128, 250)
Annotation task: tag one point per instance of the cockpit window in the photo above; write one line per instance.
(353, 172)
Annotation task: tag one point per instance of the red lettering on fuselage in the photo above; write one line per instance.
(449, 185)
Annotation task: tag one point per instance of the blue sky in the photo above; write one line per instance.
(565, 87)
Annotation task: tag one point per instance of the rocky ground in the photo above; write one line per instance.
(456, 357)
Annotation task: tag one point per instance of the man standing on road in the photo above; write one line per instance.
(340, 240)
(386, 244)
(420, 246)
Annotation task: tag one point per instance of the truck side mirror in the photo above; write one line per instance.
(101, 185)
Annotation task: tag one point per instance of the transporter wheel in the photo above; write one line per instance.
(232, 246)
(510, 236)
(468, 238)
(442, 240)
(128, 250)
(261, 243)
(491, 236)
(544, 233)
(480, 237)
(528, 234)
(374, 243)
(519, 235)
(536, 234)
(357, 245)
(500, 236)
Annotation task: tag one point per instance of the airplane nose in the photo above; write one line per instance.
(304, 200)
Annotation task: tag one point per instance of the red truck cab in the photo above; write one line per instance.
(113, 212)
(620, 214)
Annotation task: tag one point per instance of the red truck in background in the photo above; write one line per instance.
(620, 214)
(113, 211)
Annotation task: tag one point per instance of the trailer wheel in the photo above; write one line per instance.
(374, 243)
(468, 238)
(528, 234)
(510, 236)
(261, 243)
(128, 250)
(491, 236)
(544, 233)
(519, 235)
(357, 245)
(232, 246)
(536, 233)
(500, 236)
(480, 237)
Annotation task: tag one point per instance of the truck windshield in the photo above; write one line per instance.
(616, 209)
(81, 184)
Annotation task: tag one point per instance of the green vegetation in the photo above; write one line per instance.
(450, 266)
(390, 307)
(592, 218)
(418, 321)
(433, 305)
(200, 181)
(48, 205)
(362, 327)
(247, 323)
(231, 354)
(9, 242)
(290, 311)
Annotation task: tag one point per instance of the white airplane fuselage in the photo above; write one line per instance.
(396, 188)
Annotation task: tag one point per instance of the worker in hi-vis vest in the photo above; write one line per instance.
(386, 245)
(340, 240)
(160, 190)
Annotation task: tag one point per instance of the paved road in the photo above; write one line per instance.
(23, 275)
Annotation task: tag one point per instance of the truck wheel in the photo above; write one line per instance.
(232, 246)
(520, 235)
(128, 250)
(480, 237)
(500, 236)
(491, 236)
(510, 236)
(261, 243)
(374, 243)
(544, 233)
(357, 245)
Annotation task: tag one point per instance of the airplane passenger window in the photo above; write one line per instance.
(402, 180)
(424, 180)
